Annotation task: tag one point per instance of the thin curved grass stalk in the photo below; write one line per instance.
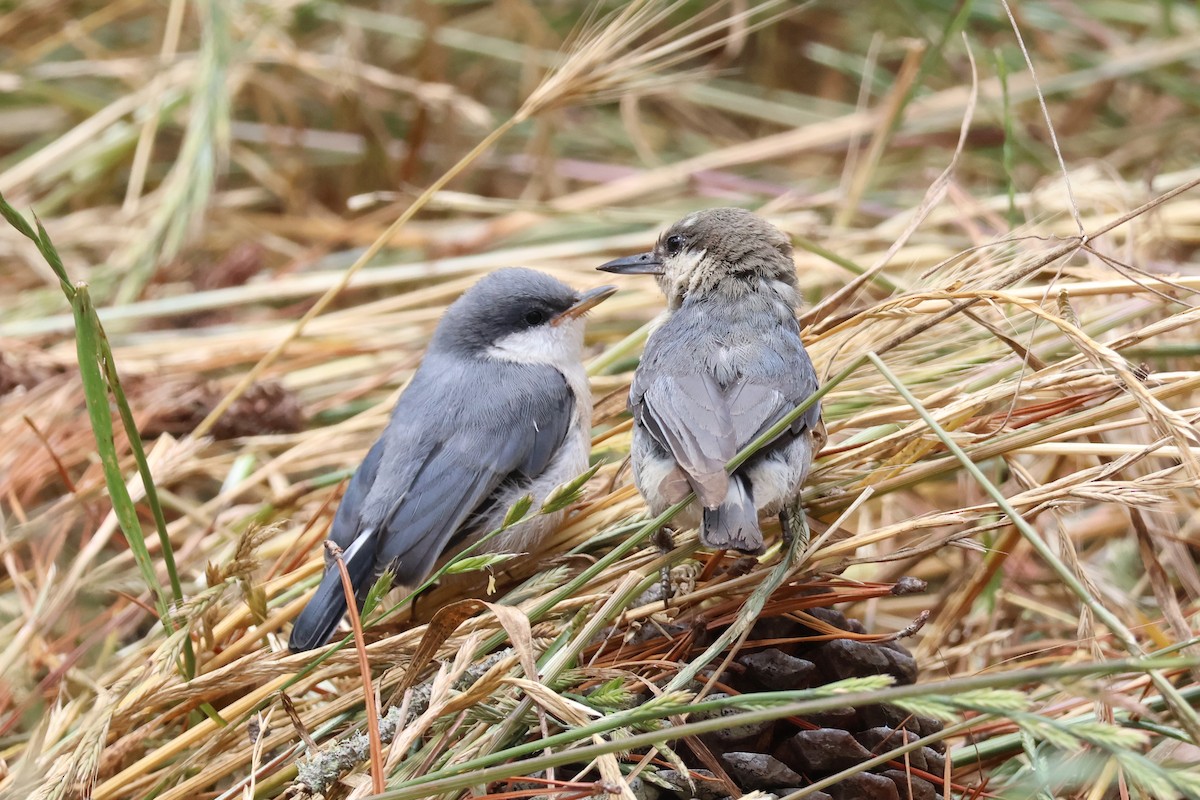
(364, 668)
(1183, 710)
(768, 705)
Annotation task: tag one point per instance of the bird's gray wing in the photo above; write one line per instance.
(770, 388)
(688, 417)
(345, 527)
(421, 514)
(753, 408)
(513, 434)
(802, 384)
(702, 423)
(440, 461)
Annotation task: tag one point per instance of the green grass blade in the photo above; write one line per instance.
(139, 455)
(93, 351)
(95, 393)
(39, 238)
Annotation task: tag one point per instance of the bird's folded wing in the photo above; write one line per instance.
(768, 391)
(346, 525)
(799, 383)
(427, 474)
(421, 513)
(753, 409)
(689, 417)
(464, 470)
(449, 486)
(703, 425)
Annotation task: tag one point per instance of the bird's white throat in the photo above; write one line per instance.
(559, 346)
(553, 345)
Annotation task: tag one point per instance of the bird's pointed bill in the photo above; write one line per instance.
(641, 264)
(586, 302)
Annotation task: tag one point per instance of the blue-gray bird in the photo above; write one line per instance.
(724, 365)
(499, 408)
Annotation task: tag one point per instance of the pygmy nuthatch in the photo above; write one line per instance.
(725, 365)
(499, 408)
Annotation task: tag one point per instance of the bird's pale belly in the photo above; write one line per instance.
(775, 477)
(568, 463)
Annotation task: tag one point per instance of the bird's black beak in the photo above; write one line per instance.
(641, 264)
(586, 302)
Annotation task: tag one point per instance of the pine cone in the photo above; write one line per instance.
(780, 757)
(177, 408)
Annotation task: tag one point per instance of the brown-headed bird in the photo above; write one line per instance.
(724, 366)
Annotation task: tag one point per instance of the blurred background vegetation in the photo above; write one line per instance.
(168, 135)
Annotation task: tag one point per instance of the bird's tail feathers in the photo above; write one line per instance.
(324, 611)
(733, 525)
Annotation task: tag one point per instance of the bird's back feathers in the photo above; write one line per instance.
(713, 379)
(434, 466)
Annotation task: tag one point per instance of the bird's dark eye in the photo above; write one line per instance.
(534, 317)
(674, 244)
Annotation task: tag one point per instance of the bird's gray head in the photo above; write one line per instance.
(722, 250)
(518, 314)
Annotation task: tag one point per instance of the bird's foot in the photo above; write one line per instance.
(664, 540)
(794, 525)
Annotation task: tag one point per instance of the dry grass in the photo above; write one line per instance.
(224, 170)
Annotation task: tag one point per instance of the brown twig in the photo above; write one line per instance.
(364, 667)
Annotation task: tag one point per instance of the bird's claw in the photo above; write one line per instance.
(664, 540)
